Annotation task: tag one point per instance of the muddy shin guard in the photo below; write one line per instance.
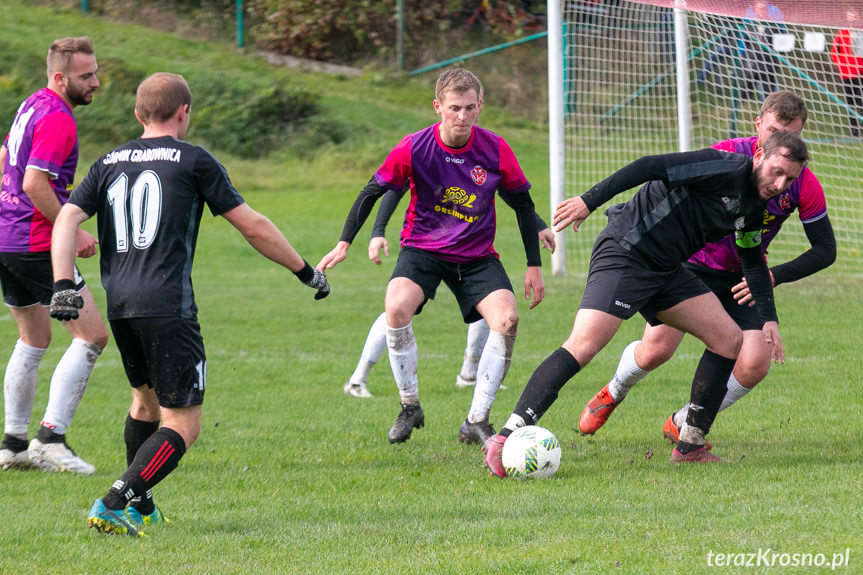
(708, 390)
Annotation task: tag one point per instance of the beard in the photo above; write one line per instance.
(79, 97)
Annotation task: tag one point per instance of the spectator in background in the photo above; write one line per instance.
(847, 53)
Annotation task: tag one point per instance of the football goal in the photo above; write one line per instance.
(629, 78)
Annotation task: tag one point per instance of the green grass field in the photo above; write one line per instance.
(291, 476)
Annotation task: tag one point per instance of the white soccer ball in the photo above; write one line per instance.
(531, 452)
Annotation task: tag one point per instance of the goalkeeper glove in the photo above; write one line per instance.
(315, 279)
(66, 301)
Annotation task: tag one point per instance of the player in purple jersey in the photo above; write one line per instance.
(38, 160)
(376, 340)
(688, 200)
(157, 185)
(718, 265)
(454, 169)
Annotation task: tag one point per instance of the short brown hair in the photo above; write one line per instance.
(794, 144)
(160, 95)
(61, 51)
(787, 106)
(457, 80)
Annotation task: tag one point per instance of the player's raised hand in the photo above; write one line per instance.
(336, 255)
(66, 301)
(572, 211)
(375, 246)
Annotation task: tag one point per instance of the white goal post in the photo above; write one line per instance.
(634, 77)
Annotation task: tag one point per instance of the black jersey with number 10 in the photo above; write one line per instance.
(149, 196)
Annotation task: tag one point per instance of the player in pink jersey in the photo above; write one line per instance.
(38, 158)
(454, 169)
(718, 266)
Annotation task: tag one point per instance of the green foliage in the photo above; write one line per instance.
(249, 120)
(248, 117)
(345, 30)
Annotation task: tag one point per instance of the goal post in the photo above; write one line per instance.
(649, 77)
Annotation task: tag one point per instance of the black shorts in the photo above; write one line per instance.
(27, 279)
(720, 283)
(619, 283)
(470, 283)
(166, 354)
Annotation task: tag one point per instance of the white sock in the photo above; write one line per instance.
(477, 334)
(403, 359)
(735, 392)
(627, 375)
(373, 349)
(514, 422)
(19, 387)
(679, 416)
(492, 368)
(69, 383)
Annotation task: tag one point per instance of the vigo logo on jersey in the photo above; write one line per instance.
(459, 197)
(479, 175)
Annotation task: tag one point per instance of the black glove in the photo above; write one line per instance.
(314, 279)
(66, 301)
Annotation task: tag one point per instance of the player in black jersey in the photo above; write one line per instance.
(149, 196)
(688, 199)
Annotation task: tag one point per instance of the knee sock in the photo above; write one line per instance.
(735, 392)
(544, 385)
(627, 375)
(373, 349)
(19, 388)
(708, 389)
(403, 360)
(492, 369)
(68, 384)
(477, 336)
(157, 457)
(135, 433)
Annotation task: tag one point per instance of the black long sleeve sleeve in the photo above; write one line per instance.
(526, 216)
(361, 209)
(386, 209)
(820, 255)
(758, 280)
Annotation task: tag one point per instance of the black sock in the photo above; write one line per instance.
(709, 386)
(45, 435)
(13, 444)
(135, 434)
(144, 503)
(544, 385)
(157, 457)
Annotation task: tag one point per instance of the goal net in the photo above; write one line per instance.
(622, 97)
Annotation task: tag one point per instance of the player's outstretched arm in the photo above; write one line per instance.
(263, 235)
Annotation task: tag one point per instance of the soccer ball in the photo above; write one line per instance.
(531, 452)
